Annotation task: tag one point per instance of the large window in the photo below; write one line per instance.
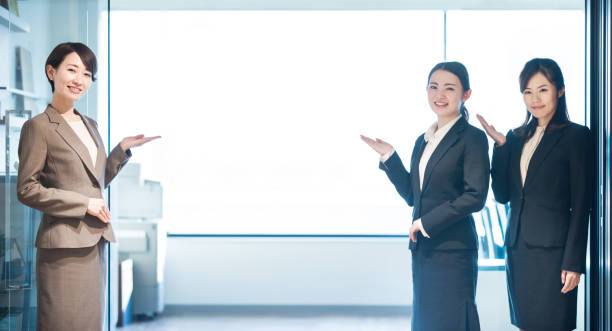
(495, 45)
(261, 111)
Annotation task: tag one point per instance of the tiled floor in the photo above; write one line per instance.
(245, 320)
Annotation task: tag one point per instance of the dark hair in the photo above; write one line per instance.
(60, 52)
(459, 70)
(550, 69)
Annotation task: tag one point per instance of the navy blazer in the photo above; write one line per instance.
(552, 208)
(455, 185)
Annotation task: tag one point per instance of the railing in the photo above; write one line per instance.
(491, 224)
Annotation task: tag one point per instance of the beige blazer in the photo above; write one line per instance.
(57, 177)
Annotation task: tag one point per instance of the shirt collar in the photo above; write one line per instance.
(434, 133)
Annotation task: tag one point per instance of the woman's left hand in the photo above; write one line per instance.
(570, 279)
(135, 141)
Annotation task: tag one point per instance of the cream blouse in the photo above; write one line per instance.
(81, 131)
(528, 150)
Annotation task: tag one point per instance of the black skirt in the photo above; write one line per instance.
(534, 289)
(444, 285)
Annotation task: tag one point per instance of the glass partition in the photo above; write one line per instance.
(28, 32)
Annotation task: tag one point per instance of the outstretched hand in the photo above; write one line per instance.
(497, 136)
(380, 146)
(135, 141)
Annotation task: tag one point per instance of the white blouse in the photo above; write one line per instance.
(528, 150)
(81, 131)
(433, 137)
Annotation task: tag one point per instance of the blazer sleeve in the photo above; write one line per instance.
(399, 177)
(31, 192)
(500, 170)
(475, 188)
(114, 162)
(581, 180)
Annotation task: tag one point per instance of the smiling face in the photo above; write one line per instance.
(445, 94)
(71, 79)
(541, 98)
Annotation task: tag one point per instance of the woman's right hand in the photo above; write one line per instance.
(497, 136)
(381, 147)
(97, 208)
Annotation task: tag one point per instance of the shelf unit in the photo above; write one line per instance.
(24, 93)
(21, 92)
(12, 21)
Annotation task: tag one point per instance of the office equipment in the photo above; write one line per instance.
(126, 287)
(145, 243)
(141, 236)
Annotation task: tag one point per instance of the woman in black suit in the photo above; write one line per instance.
(447, 182)
(543, 168)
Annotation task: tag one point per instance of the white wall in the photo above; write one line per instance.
(288, 271)
(353, 271)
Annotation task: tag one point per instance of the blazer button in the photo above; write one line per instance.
(96, 185)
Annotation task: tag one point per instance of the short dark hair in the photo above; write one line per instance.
(551, 70)
(459, 70)
(59, 53)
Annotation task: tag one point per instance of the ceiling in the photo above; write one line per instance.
(345, 4)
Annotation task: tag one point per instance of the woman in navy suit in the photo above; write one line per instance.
(447, 182)
(543, 168)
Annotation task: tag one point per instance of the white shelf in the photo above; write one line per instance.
(21, 92)
(24, 93)
(12, 21)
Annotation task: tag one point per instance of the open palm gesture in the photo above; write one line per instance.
(497, 136)
(380, 146)
(135, 141)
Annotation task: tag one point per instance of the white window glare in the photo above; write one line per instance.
(496, 55)
(261, 111)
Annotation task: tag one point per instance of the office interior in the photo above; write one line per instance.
(260, 209)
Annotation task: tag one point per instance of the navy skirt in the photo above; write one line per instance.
(534, 289)
(444, 285)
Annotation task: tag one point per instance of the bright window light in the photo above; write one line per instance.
(261, 111)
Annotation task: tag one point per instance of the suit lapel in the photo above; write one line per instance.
(549, 140)
(68, 135)
(447, 142)
(515, 160)
(414, 166)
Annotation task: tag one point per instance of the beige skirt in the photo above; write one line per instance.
(71, 286)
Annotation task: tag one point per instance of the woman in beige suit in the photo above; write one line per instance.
(63, 171)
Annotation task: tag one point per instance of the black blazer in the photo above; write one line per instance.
(552, 208)
(455, 185)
